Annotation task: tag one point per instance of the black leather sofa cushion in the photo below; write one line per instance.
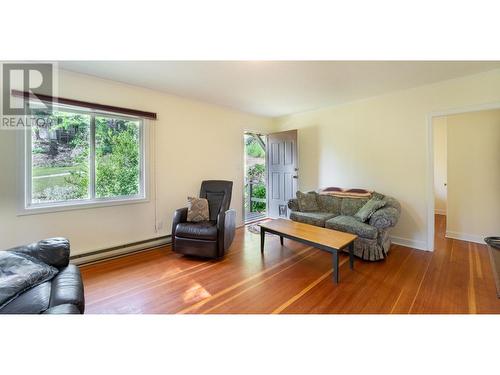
(33, 301)
(202, 230)
(20, 272)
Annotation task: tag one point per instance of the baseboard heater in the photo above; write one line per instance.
(119, 251)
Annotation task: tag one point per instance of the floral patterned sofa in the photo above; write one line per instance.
(337, 213)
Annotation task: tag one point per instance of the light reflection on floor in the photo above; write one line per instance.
(195, 293)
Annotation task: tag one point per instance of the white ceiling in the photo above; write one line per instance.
(275, 88)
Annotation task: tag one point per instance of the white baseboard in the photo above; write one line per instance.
(465, 237)
(420, 245)
(438, 211)
(119, 251)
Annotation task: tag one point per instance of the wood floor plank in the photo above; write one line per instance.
(355, 292)
(459, 280)
(248, 283)
(294, 278)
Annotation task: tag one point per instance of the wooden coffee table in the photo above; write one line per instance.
(322, 238)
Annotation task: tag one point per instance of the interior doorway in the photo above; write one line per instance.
(439, 129)
(465, 173)
(255, 186)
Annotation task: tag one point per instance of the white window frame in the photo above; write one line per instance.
(26, 207)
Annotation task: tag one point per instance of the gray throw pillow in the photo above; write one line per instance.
(197, 209)
(307, 201)
(365, 212)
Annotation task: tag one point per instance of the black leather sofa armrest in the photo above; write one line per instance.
(67, 308)
(52, 251)
(67, 287)
(226, 227)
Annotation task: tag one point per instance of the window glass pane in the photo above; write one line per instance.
(117, 159)
(60, 157)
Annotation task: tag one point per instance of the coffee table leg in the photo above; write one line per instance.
(351, 255)
(262, 237)
(335, 257)
(281, 240)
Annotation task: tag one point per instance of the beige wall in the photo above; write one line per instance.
(379, 143)
(440, 174)
(194, 141)
(382, 143)
(474, 175)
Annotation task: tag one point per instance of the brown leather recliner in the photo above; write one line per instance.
(207, 239)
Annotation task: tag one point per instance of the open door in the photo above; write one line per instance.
(282, 167)
(254, 190)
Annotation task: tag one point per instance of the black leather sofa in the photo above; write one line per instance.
(207, 239)
(61, 295)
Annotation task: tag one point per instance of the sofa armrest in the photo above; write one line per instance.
(180, 216)
(384, 218)
(52, 251)
(293, 204)
(226, 227)
(67, 308)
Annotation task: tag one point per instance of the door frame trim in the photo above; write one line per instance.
(264, 134)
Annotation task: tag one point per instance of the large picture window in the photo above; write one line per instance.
(76, 156)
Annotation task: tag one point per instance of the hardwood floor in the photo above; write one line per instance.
(455, 278)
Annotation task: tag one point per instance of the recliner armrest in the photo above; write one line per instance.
(52, 251)
(180, 216)
(226, 227)
(224, 218)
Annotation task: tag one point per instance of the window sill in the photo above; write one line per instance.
(66, 206)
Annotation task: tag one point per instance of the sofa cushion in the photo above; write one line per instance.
(329, 203)
(308, 201)
(33, 301)
(313, 218)
(351, 225)
(365, 212)
(202, 230)
(351, 205)
(20, 272)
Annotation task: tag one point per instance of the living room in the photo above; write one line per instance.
(261, 185)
